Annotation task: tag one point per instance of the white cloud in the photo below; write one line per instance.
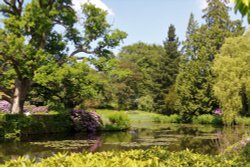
(98, 3)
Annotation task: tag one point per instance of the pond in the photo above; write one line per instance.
(175, 137)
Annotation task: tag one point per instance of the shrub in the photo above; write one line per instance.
(246, 151)
(207, 119)
(242, 120)
(117, 121)
(218, 112)
(5, 106)
(14, 125)
(86, 121)
(154, 157)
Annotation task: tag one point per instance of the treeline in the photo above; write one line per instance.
(207, 71)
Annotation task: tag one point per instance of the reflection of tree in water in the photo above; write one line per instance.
(117, 137)
(205, 146)
(230, 135)
(96, 145)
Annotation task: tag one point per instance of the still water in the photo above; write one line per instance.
(175, 137)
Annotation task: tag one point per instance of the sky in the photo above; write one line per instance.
(148, 20)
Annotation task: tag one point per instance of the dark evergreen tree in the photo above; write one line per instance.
(168, 69)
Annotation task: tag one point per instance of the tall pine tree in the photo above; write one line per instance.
(168, 68)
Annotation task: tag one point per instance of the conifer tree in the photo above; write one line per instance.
(168, 68)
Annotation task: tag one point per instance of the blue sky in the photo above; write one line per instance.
(148, 20)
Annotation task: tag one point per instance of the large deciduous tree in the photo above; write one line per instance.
(232, 70)
(34, 39)
(145, 60)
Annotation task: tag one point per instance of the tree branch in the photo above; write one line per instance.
(5, 91)
(15, 66)
(6, 98)
(13, 8)
(81, 50)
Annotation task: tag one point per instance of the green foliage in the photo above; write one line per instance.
(154, 157)
(35, 56)
(207, 119)
(243, 6)
(142, 60)
(242, 120)
(232, 77)
(117, 121)
(246, 151)
(146, 103)
(15, 125)
(167, 71)
(195, 81)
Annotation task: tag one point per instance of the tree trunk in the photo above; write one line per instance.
(20, 92)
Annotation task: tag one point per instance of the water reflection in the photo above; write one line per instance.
(202, 139)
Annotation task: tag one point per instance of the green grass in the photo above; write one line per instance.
(134, 116)
(138, 119)
(242, 120)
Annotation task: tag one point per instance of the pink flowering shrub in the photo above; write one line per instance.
(86, 121)
(5, 106)
(218, 112)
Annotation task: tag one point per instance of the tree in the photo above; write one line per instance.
(232, 86)
(195, 80)
(145, 60)
(32, 42)
(168, 69)
(188, 45)
(243, 6)
(187, 79)
(66, 86)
